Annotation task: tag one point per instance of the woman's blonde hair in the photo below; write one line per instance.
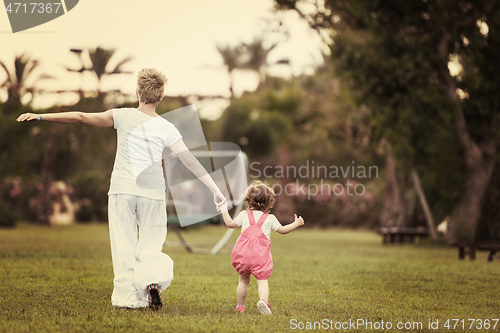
(260, 196)
(150, 85)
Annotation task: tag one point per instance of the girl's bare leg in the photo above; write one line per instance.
(242, 290)
(263, 289)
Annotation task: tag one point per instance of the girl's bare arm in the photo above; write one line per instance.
(227, 218)
(299, 221)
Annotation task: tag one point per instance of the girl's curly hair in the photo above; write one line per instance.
(260, 196)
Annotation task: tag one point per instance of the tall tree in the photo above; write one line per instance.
(257, 54)
(424, 67)
(78, 53)
(100, 65)
(16, 81)
(231, 56)
(100, 62)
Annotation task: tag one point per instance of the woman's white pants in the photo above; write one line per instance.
(137, 229)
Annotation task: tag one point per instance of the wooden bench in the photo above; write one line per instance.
(469, 248)
(402, 234)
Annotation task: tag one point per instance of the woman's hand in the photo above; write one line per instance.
(219, 200)
(223, 207)
(28, 117)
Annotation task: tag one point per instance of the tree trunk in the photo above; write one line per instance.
(285, 207)
(479, 164)
(467, 212)
(44, 202)
(393, 212)
(231, 83)
(425, 206)
(13, 103)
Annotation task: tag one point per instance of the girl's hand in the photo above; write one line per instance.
(28, 117)
(219, 200)
(222, 208)
(298, 220)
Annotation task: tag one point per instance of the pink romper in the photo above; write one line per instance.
(252, 252)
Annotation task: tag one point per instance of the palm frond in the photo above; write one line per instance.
(7, 81)
(81, 70)
(20, 63)
(30, 66)
(118, 68)
(100, 58)
(43, 77)
(231, 56)
(257, 54)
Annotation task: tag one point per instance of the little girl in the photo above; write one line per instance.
(252, 252)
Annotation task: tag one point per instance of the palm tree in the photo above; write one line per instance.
(257, 57)
(16, 80)
(232, 60)
(80, 70)
(100, 59)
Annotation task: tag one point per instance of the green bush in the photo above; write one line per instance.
(91, 195)
(7, 218)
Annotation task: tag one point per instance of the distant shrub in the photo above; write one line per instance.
(91, 195)
(16, 196)
(7, 218)
(326, 209)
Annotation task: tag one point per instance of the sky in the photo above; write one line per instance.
(177, 37)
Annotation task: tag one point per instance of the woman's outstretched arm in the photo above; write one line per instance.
(182, 152)
(99, 119)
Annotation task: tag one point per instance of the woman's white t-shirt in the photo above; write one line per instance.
(271, 222)
(138, 164)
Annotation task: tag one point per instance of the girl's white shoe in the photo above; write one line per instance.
(264, 307)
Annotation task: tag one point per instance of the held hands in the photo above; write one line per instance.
(222, 208)
(299, 221)
(220, 201)
(28, 117)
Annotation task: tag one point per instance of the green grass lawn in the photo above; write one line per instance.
(59, 279)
